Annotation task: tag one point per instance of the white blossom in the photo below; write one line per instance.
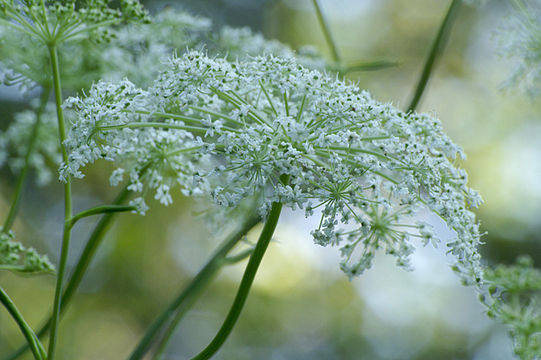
(236, 130)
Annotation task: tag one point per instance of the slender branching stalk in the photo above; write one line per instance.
(435, 51)
(53, 53)
(31, 338)
(8, 223)
(80, 268)
(189, 294)
(245, 284)
(327, 33)
(103, 209)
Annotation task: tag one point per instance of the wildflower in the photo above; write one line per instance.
(231, 130)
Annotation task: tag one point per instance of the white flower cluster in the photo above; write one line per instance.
(69, 19)
(238, 130)
(131, 47)
(46, 154)
(139, 46)
(28, 27)
(145, 46)
(158, 157)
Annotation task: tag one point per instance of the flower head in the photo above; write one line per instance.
(232, 130)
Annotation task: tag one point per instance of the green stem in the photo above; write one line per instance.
(153, 125)
(76, 277)
(67, 203)
(186, 119)
(168, 334)
(15, 202)
(31, 338)
(370, 66)
(326, 32)
(103, 209)
(435, 51)
(245, 284)
(195, 287)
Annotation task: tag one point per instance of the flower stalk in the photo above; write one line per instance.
(435, 51)
(53, 53)
(327, 32)
(245, 284)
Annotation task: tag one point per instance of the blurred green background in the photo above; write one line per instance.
(301, 305)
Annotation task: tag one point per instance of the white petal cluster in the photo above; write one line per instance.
(153, 158)
(147, 46)
(237, 130)
(138, 46)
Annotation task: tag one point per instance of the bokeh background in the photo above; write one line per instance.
(301, 305)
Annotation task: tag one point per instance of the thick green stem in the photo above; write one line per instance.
(8, 223)
(31, 338)
(326, 32)
(76, 277)
(67, 203)
(245, 284)
(435, 52)
(185, 298)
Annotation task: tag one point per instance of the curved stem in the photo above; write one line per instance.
(31, 338)
(245, 284)
(435, 51)
(325, 27)
(103, 209)
(170, 330)
(67, 203)
(8, 223)
(184, 299)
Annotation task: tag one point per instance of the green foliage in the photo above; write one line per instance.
(515, 300)
(15, 257)
(230, 117)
